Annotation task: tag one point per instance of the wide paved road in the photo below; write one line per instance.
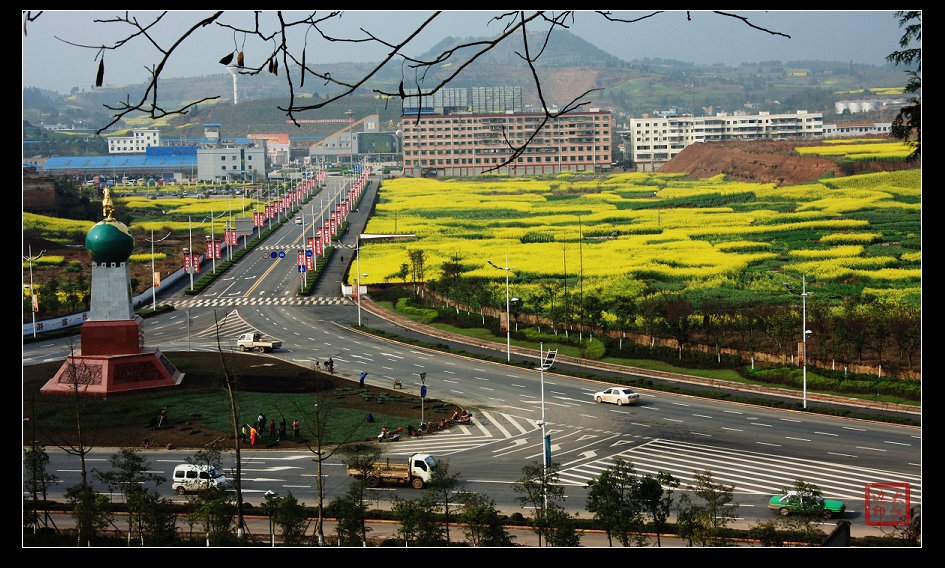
(758, 450)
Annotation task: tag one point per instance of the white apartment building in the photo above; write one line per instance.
(466, 144)
(134, 144)
(227, 162)
(653, 141)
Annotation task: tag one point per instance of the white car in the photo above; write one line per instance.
(617, 395)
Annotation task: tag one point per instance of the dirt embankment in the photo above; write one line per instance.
(763, 161)
(768, 161)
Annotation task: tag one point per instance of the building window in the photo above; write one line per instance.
(223, 159)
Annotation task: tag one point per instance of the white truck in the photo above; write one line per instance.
(415, 471)
(256, 341)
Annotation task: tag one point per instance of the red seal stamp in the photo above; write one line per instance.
(888, 504)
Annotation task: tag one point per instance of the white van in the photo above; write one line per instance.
(190, 478)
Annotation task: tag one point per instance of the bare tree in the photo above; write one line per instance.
(317, 429)
(230, 383)
(78, 376)
(361, 458)
(274, 41)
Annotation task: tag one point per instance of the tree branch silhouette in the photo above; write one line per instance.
(291, 51)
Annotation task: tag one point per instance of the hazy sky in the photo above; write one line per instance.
(858, 36)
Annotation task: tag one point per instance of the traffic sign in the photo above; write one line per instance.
(273, 254)
(308, 253)
(281, 254)
(301, 268)
(423, 391)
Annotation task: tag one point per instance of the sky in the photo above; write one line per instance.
(49, 63)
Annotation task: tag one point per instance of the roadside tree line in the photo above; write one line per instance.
(633, 509)
(857, 329)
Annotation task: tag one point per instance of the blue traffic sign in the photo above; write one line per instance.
(308, 253)
(281, 254)
(273, 254)
(301, 268)
(423, 391)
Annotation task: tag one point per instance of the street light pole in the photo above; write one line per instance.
(544, 364)
(190, 236)
(153, 279)
(508, 332)
(357, 281)
(213, 245)
(34, 304)
(805, 330)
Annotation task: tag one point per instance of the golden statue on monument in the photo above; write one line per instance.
(107, 206)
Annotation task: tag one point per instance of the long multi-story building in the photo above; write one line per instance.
(856, 129)
(139, 140)
(466, 144)
(653, 141)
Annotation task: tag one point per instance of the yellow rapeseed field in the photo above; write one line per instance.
(639, 226)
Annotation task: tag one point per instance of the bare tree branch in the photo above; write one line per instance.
(751, 25)
(608, 16)
(461, 56)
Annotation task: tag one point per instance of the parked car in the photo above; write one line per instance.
(617, 395)
(793, 501)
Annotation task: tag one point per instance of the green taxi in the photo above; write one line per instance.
(795, 502)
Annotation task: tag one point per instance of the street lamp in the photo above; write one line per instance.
(34, 304)
(508, 334)
(153, 273)
(356, 291)
(357, 282)
(545, 362)
(804, 331)
(190, 238)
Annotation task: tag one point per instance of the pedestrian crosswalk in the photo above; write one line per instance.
(228, 325)
(585, 453)
(749, 472)
(260, 301)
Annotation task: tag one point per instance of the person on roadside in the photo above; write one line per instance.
(272, 427)
(253, 434)
(244, 432)
(282, 428)
(295, 429)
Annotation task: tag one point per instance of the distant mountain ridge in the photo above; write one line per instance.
(564, 50)
(568, 66)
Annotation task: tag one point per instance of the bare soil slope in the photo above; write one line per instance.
(763, 161)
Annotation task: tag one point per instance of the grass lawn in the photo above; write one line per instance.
(198, 409)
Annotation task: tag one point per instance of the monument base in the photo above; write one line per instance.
(102, 375)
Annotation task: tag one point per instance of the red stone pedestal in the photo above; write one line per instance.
(113, 359)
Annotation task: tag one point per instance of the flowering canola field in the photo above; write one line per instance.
(650, 228)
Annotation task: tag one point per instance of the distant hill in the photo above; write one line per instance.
(568, 67)
(564, 50)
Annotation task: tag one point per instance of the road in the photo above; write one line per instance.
(757, 449)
